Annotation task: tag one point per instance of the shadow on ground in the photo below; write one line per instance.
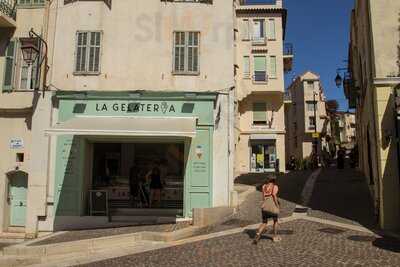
(290, 184)
(343, 196)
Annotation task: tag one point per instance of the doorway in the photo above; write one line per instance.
(17, 193)
(126, 171)
(263, 156)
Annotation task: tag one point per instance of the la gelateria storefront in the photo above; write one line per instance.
(127, 144)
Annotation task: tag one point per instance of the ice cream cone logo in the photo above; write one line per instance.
(164, 107)
(199, 152)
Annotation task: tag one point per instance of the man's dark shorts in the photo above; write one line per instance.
(268, 215)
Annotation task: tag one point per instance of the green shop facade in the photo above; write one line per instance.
(143, 117)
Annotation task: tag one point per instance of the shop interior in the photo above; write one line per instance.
(139, 175)
(263, 156)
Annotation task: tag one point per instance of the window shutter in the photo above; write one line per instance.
(259, 112)
(9, 66)
(271, 34)
(245, 30)
(34, 75)
(259, 63)
(272, 66)
(246, 66)
(94, 52)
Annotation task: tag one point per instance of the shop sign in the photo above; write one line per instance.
(16, 143)
(163, 107)
(315, 135)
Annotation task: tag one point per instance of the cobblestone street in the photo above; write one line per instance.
(304, 242)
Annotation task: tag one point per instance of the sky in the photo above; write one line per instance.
(319, 32)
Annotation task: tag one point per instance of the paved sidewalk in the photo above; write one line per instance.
(96, 233)
(343, 196)
(304, 243)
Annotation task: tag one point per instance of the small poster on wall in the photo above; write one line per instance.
(16, 143)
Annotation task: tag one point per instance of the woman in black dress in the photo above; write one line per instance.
(155, 186)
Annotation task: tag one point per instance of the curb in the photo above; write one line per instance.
(91, 245)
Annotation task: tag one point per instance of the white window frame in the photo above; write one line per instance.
(186, 46)
(87, 55)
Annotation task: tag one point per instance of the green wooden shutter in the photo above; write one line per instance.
(272, 66)
(9, 68)
(259, 112)
(259, 63)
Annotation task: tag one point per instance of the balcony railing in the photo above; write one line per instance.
(287, 97)
(288, 49)
(8, 8)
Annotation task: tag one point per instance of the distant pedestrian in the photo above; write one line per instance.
(269, 208)
(340, 158)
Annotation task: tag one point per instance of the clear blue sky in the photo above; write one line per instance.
(319, 31)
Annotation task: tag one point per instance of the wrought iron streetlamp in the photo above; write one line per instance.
(338, 78)
(30, 49)
(35, 48)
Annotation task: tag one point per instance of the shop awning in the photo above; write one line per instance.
(126, 126)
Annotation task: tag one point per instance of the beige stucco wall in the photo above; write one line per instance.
(12, 126)
(137, 44)
(385, 28)
(374, 54)
(16, 109)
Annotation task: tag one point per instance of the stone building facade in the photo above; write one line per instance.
(301, 121)
(370, 86)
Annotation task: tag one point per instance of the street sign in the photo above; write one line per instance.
(315, 135)
(16, 143)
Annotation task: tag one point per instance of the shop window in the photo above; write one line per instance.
(186, 52)
(263, 156)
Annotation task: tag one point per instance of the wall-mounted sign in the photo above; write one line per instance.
(16, 143)
(315, 135)
(199, 151)
(163, 107)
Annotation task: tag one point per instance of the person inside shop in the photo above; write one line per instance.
(134, 182)
(154, 176)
